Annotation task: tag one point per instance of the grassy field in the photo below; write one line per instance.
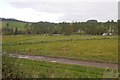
(22, 68)
(94, 48)
(13, 24)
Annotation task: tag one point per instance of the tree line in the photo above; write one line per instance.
(91, 27)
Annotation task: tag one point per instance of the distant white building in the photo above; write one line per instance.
(80, 31)
(105, 34)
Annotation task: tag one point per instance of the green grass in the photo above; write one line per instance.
(94, 48)
(39, 38)
(22, 68)
(13, 24)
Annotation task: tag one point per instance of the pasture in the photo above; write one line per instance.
(94, 48)
(13, 24)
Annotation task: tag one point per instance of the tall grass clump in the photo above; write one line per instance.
(10, 67)
(110, 74)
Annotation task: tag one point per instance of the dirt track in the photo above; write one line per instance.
(68, 61)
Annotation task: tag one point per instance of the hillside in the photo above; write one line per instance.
(13, 23)
(91, 27)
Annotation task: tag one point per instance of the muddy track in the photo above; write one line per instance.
(68, 61)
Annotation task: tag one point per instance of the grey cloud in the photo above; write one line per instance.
(73, 10)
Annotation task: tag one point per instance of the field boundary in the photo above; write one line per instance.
(20, 43)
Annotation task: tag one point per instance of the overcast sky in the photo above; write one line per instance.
(59, 10)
